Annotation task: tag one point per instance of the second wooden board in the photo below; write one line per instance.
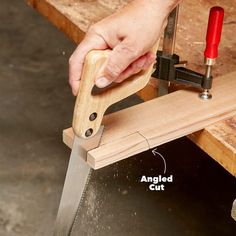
(161, 120)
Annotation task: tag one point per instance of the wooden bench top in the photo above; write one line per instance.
(74, 17)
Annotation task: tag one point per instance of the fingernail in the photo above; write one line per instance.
(102, 82)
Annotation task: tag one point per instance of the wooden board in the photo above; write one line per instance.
(75, 16)
(133, 130)
(219, 141)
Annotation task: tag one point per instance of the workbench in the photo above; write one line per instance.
(74, 17)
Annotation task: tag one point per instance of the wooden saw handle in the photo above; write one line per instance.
(89, 109)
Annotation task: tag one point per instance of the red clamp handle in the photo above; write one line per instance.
(214, 29)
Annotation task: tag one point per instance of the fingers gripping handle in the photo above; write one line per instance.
(214, 29)
(89, 109)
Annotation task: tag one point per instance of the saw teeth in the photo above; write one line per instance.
(76, 218)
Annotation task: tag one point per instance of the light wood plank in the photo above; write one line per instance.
(219, 141)
(75, 17)
(162, 120)
(117, 150)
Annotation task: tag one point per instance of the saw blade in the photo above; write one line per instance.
(76, 181)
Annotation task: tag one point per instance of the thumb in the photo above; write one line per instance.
(120, 58)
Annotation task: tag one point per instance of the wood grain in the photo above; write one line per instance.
(219, 141)
(161, 120)
(74, 17)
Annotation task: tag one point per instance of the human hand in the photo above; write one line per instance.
(130, 33)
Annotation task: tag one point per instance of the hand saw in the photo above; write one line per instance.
(87, 119)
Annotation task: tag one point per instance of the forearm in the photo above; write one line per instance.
(162, 8)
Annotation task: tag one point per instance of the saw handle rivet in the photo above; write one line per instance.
(88, 132)
(93, 116)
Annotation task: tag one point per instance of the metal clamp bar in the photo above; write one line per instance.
(168, 46)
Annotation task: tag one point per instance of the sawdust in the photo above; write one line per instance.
(11, 219)
(88, 221)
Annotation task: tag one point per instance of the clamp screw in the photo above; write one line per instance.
(205, 95)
